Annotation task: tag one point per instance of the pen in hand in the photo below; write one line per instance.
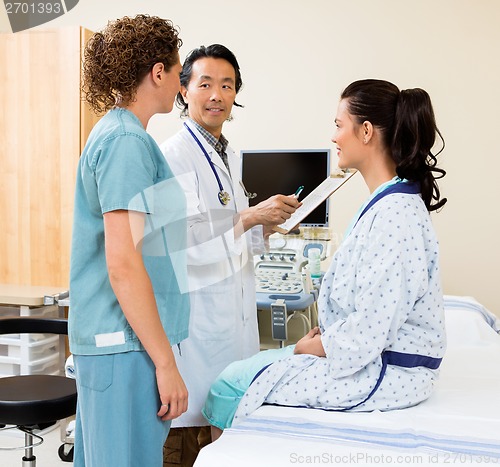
(299, 190)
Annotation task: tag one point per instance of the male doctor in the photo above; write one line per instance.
(223, 235)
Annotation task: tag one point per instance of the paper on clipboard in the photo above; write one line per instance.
(323, 191)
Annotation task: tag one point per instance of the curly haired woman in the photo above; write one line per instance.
(127, 309)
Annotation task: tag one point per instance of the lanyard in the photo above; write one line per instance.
(223, 196)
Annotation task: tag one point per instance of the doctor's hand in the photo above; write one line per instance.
(275, 210)
(173, 393)
(311, 344)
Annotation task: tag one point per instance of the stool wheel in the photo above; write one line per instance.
(64, 454)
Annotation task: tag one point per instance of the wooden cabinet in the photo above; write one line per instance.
(43, 127)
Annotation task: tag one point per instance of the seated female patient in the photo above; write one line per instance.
(381, 334)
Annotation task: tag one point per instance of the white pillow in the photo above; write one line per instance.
(468, 323)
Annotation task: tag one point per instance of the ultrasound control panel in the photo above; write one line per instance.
(281, 272)
(285, 290)
(279, 281)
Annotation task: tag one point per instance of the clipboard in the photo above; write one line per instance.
(323, 191)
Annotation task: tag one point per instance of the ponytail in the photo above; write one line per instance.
(413, 137)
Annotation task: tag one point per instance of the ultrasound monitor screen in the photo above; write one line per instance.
(267, 173)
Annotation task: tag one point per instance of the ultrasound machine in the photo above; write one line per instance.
(286, 293)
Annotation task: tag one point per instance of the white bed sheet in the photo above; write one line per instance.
(458, 424)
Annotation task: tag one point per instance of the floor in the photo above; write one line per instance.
(46, 454)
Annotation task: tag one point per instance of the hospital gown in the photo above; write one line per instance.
(381, 292)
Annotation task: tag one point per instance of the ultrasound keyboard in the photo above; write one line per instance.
(278, 281)
(280, 272)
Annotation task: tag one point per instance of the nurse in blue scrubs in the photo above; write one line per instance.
(127, 269)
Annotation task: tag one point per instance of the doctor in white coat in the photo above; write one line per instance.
(223, 235)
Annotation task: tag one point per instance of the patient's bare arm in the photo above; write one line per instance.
(311, 344)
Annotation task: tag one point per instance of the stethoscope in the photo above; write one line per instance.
(223, 195)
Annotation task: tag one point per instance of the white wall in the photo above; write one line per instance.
(297, 55)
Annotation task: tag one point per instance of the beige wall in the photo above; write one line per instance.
(4, 21)
(296, 57)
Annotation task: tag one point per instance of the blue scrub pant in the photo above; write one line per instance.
(229, 387)
(116, 421)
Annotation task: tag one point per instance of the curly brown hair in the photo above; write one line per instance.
(118, 58)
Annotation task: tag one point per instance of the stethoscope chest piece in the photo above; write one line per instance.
(224, 197)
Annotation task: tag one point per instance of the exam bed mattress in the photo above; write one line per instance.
(458, 424)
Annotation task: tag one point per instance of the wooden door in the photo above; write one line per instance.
(42, 130)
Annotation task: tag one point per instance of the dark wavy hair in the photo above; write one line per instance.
(408, 126)
(213, 51)
(118, 58)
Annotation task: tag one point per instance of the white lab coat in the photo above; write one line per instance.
(223, 322)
